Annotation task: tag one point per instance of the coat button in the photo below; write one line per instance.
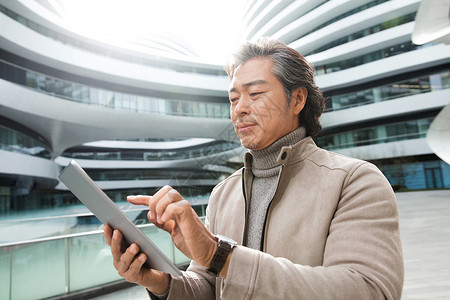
(283, 156)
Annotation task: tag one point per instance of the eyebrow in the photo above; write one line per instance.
(247, 84)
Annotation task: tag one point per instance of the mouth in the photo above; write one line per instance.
(245, 127)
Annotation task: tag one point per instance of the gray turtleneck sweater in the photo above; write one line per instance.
(265, 170)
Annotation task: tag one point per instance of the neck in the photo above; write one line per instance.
(267, 158)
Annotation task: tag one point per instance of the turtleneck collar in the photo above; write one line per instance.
(267, 158)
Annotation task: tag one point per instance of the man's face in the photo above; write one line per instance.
(259, 108)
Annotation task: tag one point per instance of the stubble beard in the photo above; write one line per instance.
(250, 145)
(249, 141)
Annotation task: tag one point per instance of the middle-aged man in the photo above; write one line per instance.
(309, 224)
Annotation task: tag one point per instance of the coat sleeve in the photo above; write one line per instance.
(362, 257)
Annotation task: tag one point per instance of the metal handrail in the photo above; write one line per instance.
(87, 214)
(70, 235)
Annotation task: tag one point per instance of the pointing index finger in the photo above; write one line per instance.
(139, 199)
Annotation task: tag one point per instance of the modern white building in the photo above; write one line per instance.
(383, 90)
(139, 119)
(134, 119)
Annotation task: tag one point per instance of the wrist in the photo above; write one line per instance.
(212, 251)
(162, 286)
(218, 265)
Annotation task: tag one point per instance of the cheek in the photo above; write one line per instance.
(232, 111)
(232, 115)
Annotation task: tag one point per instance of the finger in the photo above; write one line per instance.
(166, 226)
(139, 199)
(116, 247)
(127, 259)
(176, 210)
(171, 197)
(154, 200)
(107, 232)
(152, 219)
(134, 271)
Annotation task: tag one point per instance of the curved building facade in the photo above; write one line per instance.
(383, 91)
(165, 118)
(137, 120)
(158, 114)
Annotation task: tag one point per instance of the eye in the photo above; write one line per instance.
(254, 94)
(234, 99)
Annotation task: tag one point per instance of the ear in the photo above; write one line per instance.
(298, 99)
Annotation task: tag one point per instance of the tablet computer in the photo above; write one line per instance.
(85, 189)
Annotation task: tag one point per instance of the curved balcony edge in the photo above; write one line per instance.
(66, 123)
(24, 42)
(14, 163)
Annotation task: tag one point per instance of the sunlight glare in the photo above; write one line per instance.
(210, 28)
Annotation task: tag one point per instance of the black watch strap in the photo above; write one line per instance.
(224, 247)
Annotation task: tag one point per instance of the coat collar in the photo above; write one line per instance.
(288, 154)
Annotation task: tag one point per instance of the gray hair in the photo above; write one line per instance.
(292, 70)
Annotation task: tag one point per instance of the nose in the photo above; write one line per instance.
(243, 106)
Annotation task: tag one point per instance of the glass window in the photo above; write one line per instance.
(380, 134)
(21, 20)
(370, 57)
(111, 99)
(84, 95)
(31, 80)
(67, 90)
(367, 31)
(390, 91)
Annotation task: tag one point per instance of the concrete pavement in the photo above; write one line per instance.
(425, 233)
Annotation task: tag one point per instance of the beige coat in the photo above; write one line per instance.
(331, 232)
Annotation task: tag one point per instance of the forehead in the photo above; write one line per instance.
(256, 70)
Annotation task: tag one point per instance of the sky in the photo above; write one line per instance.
(210, 27)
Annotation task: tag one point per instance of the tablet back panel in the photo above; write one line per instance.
(85, 189)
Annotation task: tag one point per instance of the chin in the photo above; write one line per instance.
(250, 146)
(250, 142)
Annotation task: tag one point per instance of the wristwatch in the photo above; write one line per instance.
(224, 247)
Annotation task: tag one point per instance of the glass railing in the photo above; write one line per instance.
(62, 209)
(151, 155)
(81, 93)
(367, 31)
(345, 15)
(107, 50)
(77, 219)
(153, 174)
(387, 133)
(399, 89)
(50, 267)
(367, 58)
(15, 141)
